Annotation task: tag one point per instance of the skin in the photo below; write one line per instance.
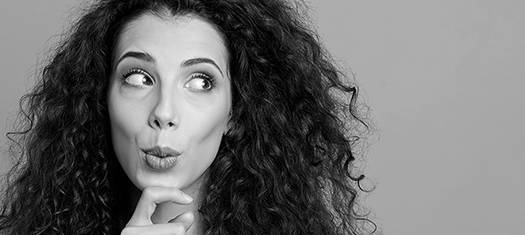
(173, 105)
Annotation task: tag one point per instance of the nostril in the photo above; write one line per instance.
(161, 124)
(157, 123)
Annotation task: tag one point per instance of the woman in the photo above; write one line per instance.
(187, 117)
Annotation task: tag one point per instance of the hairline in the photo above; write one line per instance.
(167, 14)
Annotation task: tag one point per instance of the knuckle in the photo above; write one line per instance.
(178, 228)
(177, 192)
(126, 231)
(148, 192)
(180, 195)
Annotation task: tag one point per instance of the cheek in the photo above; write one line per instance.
(127, 118)
(205, 130)
(206, 119)
(127, 115)
(202, 150)
(205, 143)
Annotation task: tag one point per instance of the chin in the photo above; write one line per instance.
(182, 176)
(159, 183)
(147, 179)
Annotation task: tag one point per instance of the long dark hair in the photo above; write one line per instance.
(286, 166)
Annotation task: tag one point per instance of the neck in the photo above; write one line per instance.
(166, 211)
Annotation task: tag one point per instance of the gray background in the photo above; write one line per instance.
(443, 79)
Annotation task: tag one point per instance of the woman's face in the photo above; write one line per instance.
(169, 96)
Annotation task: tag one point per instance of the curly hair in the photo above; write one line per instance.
(286, 165)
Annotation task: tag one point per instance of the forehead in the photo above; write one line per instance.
(173, 38)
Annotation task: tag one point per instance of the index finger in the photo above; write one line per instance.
(151, 196)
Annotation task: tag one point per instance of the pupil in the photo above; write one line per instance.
(206, 84)
(145, 80)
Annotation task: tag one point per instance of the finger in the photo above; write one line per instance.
(155, 229)
(151, 196)
(186, 219)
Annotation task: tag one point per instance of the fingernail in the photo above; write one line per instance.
(187, 197)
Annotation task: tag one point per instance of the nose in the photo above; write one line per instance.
(163, 115)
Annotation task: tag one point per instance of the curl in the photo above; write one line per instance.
(287, 163)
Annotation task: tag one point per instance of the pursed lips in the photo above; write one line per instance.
(162, 152)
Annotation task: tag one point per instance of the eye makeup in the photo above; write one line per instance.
(201, 81)
(207, 79)
(137, 71)
(142, 78)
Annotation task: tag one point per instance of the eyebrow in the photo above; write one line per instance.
(148, 58)
(139, 55)
(200, 60)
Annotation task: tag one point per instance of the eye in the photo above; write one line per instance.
(138, 78)
(200, 82)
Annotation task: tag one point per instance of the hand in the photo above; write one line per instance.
(140, 222)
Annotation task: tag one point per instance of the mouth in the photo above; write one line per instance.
(161, 158)
(162, 152)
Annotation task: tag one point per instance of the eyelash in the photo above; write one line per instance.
(136, 70)
(201, 75)
(206, 77)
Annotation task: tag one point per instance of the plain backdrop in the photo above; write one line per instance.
(444, 81)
